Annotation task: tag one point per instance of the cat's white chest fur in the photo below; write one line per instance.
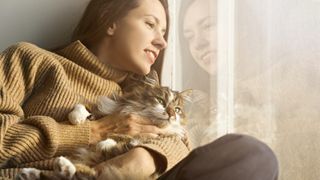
(175, 128)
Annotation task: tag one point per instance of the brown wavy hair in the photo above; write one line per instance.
(101, 14)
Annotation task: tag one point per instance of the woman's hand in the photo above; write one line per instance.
(130, 125)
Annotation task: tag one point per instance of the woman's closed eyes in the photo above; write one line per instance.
(150, 24)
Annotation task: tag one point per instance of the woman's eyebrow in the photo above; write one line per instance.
(164, 30)
(199, 23)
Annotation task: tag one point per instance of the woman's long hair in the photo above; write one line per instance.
(101, 14)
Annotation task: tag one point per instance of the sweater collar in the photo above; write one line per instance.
(81, 55)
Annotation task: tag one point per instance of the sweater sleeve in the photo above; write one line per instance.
(169, 149)
(27, 139)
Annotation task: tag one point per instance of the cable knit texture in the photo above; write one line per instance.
(38, 89)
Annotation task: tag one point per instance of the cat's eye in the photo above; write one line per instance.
(161, 101)
(177, 110)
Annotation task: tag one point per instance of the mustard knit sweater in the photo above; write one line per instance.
(38, 89)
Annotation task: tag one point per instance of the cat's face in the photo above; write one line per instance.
(161, 103)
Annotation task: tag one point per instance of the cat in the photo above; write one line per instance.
(161, 105)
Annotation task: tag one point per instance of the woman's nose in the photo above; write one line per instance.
(200, 42)
(159, 41)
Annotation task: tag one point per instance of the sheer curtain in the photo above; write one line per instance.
(278, 80)
(266, 81)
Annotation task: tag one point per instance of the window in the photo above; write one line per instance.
(258, 63)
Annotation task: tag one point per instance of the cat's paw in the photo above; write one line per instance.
(134, 142)
(106, 145)
(79, 114)
(28, 174)
(64, 167)
(181, 132)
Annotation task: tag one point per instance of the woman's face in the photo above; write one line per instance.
(200, 31)
(136, 40)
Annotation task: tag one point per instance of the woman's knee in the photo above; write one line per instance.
(243, 145)
(251, 146)
(246, 151)
(232, 156)
(233, 152)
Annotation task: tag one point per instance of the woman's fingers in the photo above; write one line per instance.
(130, 124)
(135, 128)
(150, 129)
(138, 119)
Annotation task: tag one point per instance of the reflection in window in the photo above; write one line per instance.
(276, 75)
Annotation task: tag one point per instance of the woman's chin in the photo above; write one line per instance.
(146, 70)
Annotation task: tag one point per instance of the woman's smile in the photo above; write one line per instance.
(152, 55)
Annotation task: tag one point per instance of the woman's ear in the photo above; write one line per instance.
(112, 29)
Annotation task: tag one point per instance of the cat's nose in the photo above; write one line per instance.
(170, 112)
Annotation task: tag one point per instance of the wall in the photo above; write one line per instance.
(46, 23)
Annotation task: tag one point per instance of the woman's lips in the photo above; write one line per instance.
(206, 57)
(152, 56)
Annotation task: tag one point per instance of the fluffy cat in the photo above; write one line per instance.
(161, 105)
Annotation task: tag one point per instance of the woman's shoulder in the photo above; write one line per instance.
(29, 55)
(25, 48)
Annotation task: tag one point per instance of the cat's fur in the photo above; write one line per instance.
(161, 105)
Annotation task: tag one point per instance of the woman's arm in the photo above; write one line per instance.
(26, 138)
(159, 152)
(153, 158)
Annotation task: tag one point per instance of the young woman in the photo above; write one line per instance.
(39, 88)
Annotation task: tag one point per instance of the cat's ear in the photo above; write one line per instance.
(187, 95)
(194, 96)
(199, 96)
(195, 102)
